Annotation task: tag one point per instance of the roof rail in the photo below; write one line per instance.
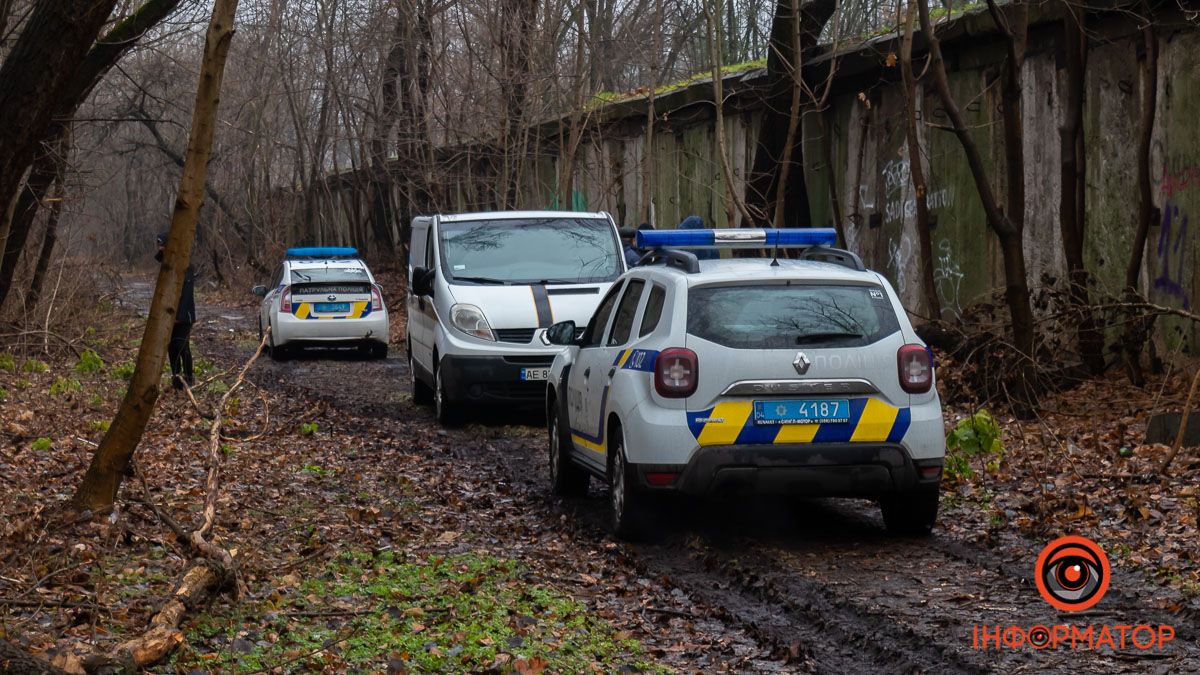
(684, 260)
(836, 256)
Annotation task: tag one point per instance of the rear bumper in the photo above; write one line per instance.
(817, 470)
(494, 379)
(292, 331)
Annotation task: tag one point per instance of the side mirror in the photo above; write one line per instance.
(422, 281)
(561, 333)
(260, 291)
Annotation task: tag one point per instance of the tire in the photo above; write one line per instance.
(567, 479)
(448, 413)
(626, 504)
(376, 351)
(422, 393)
(278, 352)
(910, 513)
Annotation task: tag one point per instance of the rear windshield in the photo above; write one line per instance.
(790, 316)
(329, 275)
(523, 251)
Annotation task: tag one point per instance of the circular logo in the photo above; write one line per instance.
(1072, 573)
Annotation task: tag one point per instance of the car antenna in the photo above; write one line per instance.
(775, 253)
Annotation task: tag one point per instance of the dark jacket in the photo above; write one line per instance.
(187, 296)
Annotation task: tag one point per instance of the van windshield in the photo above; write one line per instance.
(530, 251)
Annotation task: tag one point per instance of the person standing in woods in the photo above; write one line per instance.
(179, 349)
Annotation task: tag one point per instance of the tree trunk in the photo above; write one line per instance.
(793, 123)
(734, 206)
(647, 210)
(1135, 333)
(41, 177)
(75, 76)
(771, 149)
(35, 76)
(99, 486)
(933, 305)
(1071, 199)
(1007, 226)
(49, 239)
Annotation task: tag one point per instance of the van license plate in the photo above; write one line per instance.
(810, 411)
(535, 374)
(333, 307)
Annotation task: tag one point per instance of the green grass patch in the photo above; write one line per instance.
(7, 362)
(124, 371)
(3, 394)
(308, 428)
(89, 362)
(65, 385)
(463, 613)
(41, 445)
(33, 366)
(202, 367)
(99, 425)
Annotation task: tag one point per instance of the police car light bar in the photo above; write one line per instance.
(323, 252)
(738, 238)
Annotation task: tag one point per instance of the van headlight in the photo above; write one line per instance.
(470, 320)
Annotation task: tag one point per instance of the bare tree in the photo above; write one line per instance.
(1007, 225)
(100, 484)
(1136, 329)
(933, 305)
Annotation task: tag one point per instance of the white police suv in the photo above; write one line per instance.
(323, 297)
(708, 377)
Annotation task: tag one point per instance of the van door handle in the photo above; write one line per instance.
(587, 372)
(610, 372)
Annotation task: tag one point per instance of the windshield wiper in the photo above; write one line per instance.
(483, 280)
(829, 335)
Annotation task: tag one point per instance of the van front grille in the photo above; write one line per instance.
(517, 335)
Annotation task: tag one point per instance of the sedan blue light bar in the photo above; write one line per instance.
(323, 252)
(800, 237)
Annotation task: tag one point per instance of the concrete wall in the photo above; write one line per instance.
(869, 164)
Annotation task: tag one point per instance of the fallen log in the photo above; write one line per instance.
(204, 579)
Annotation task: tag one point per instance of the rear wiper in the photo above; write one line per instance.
(482, 280)
(830, 335)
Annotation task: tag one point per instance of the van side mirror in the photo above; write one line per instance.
(260, 291)
(561, 333)
(422, 281)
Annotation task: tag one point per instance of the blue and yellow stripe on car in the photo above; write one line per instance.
(732, 423)
(636, 359)
(358, 310)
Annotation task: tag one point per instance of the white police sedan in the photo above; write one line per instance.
(797, 377)
(323, 297)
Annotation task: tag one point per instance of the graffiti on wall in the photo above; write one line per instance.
(948, 277)
(901, 203)
(1172, 246)
(1172, 242)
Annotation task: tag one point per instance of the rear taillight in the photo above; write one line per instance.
(915, 363)
(661, 478)
(285, 300)
(675, 372)
(376, 299)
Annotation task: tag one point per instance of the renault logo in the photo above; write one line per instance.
(331, 297)
(801, 363)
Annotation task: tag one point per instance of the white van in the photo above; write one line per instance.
(483, 289)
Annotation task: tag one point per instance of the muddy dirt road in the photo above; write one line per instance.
(819, 586)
